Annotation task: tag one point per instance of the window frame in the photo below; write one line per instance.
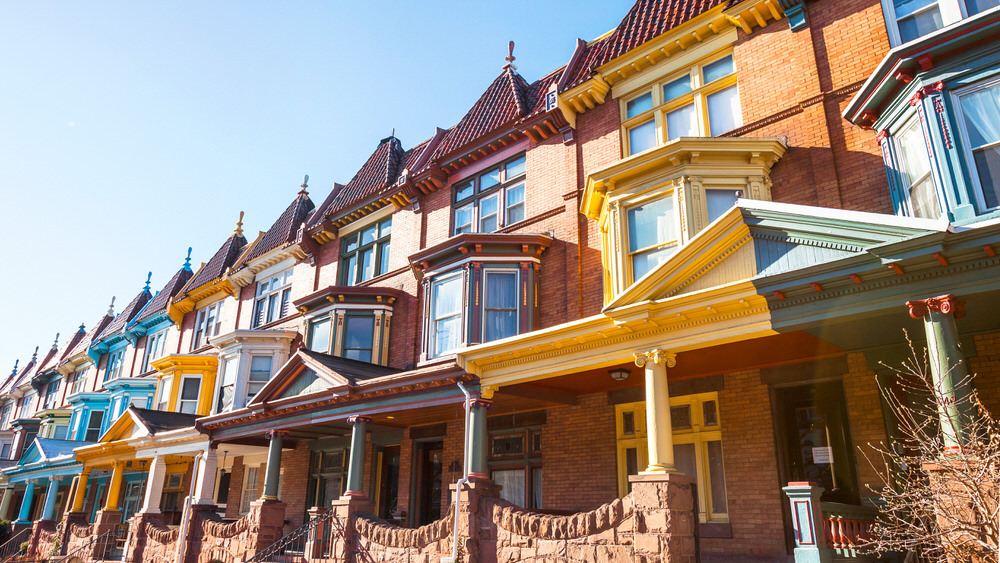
(180, 390)
(330, 336)
(51, 394)
(163, 393)
(967, 149)
(674, 243)
(473, 201)
(207, 326)
(432, 321)
(518, 303)
(88, 427)
(156, 345)
(380, 247)
(259, 384)
(697, 97)
(951, 11)
(80, 377)
(271, 299)
(113, 369)
(901, 167)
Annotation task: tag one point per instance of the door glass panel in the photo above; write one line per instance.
(716, 475)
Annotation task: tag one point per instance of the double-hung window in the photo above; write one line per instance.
(364, 254)
(274, 296)
(500, 312)
(446, 314)
(701, 101)
(94, 422)
(319, 335)
(163, 399)
(915, 171)
(207, 324)
(359, 337)
(155, 346)
(114, 368)
(52, 394)
(5, 416)
(80, 380)
(652, 234)
(260, 373)
(910, 19)
(979, 106)
(187, 395)
(490, 200)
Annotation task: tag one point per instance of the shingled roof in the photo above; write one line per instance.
(127, 314)
(502, 103)
(159, 302)
(352, 370)
(378, 174)
(647, 19)
(284, 228)
(91, 335)
(161, 421)
(220, 261)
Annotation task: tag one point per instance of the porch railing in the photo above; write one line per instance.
(847, 527)
(308, 542)
(12, 547)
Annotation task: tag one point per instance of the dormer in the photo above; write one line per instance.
(247, 360)
(651, 204)
(350, 322)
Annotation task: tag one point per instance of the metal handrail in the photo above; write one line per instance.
(288, 539)
(5, 553)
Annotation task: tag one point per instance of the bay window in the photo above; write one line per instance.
(500, 318)
(359, 334)
(490, 200)
(915, 171)
(187, 395)
(910, 19)
(979, 122)
(207, 324)
(364, 254)
(260, 373)
(701, 101)
(446, 314)
(155, 346)
(652, 234)
(319, 335)
(273, 298)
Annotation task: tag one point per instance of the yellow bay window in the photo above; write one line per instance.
(697, 434)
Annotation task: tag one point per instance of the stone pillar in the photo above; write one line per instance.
(665, 517)
(24, 517)
(479, 438)
(154, 485)
(204, 493)
(343, 538)
(8, 493)
(659, 433)
(115, 487)
(49, 509)
(273, 471)
(810, 542)
(948, 367)
(80, 493)
(356, 466)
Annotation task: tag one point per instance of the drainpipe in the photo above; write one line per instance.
(186, 514)
(463, 480)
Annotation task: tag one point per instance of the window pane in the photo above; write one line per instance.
(447, 297)
(920, 23)
(719, 201)
(463, 190)
(976, 6)
(643, 262)
(642, 137)
(512, 481)
(385, 228)
(350, 264)
(718, 69)
(189, 391)
(710, 413)
(724, 111)
(319, 338)
(358, 337)
(981, 112)
(490, 179)
(367, 264)
(447, 319)
(676, 88)
(915, 171)
(368, 235)
(682, 122)
(448, 335)
(383, 261)
(685, 461)
(500, 314)
(260, 368)
(988, 167)
(515, 204)
(641, 104)
(515, 168)
(718, 477)
(463, 219)
(651, 223)
(351, 243)
(680, 417)
(536, 487)
(488, 214)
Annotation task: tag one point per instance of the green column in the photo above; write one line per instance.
(478, 409)
(25, 516)
(949, 371)
(356, 465)
(273, 464)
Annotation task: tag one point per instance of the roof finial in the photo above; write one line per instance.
(83, 328)
(15, 367)
(111, 308)
(304, 186)
(510, 57)
(393, 134)
(35, 355)
(55, 345)
(149, 278)
(238, 231)
(187, 261)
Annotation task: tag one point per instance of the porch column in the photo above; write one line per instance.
(8, 493)
(25, 515)
(115, 486)
(659, 433)
(273, 464)
(154, 485)
(356, 465)
(81, 491)
(204, 492)
(948, 368)
(479, 437)
(49, 510)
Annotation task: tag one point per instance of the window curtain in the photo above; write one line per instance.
(447, 309)
(982, 122)
(501, 306)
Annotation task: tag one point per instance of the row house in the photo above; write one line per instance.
(609, 311)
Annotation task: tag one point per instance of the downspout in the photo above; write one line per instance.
(186, 514)
(464, 479)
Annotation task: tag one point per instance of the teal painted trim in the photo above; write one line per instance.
(776, 256)
(66, 469)
(796, 17)
(154, 323)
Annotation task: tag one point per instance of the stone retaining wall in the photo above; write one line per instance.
(150, 540)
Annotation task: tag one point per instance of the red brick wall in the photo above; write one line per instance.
(985, 366)
(867, 424)
(294, 484)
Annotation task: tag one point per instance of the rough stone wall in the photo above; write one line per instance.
(43, 538)
(150, 540)
(210, 539)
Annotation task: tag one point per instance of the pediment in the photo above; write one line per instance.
(757, 239)
(33, 454)
(304, 373)
(126, 427)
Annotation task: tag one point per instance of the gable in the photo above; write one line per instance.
(307, 382)
(300, 375)
(127, 426)
(33, 454)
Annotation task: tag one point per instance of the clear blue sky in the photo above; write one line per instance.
(132, 130)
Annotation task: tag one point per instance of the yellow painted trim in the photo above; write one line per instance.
(178, 308)
(177, 366)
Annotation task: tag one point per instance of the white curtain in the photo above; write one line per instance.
(982, 116)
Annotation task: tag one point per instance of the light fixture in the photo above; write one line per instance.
(619, 374)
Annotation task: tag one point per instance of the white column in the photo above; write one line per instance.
(154, 484)
(659, 433)
(204, 492)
